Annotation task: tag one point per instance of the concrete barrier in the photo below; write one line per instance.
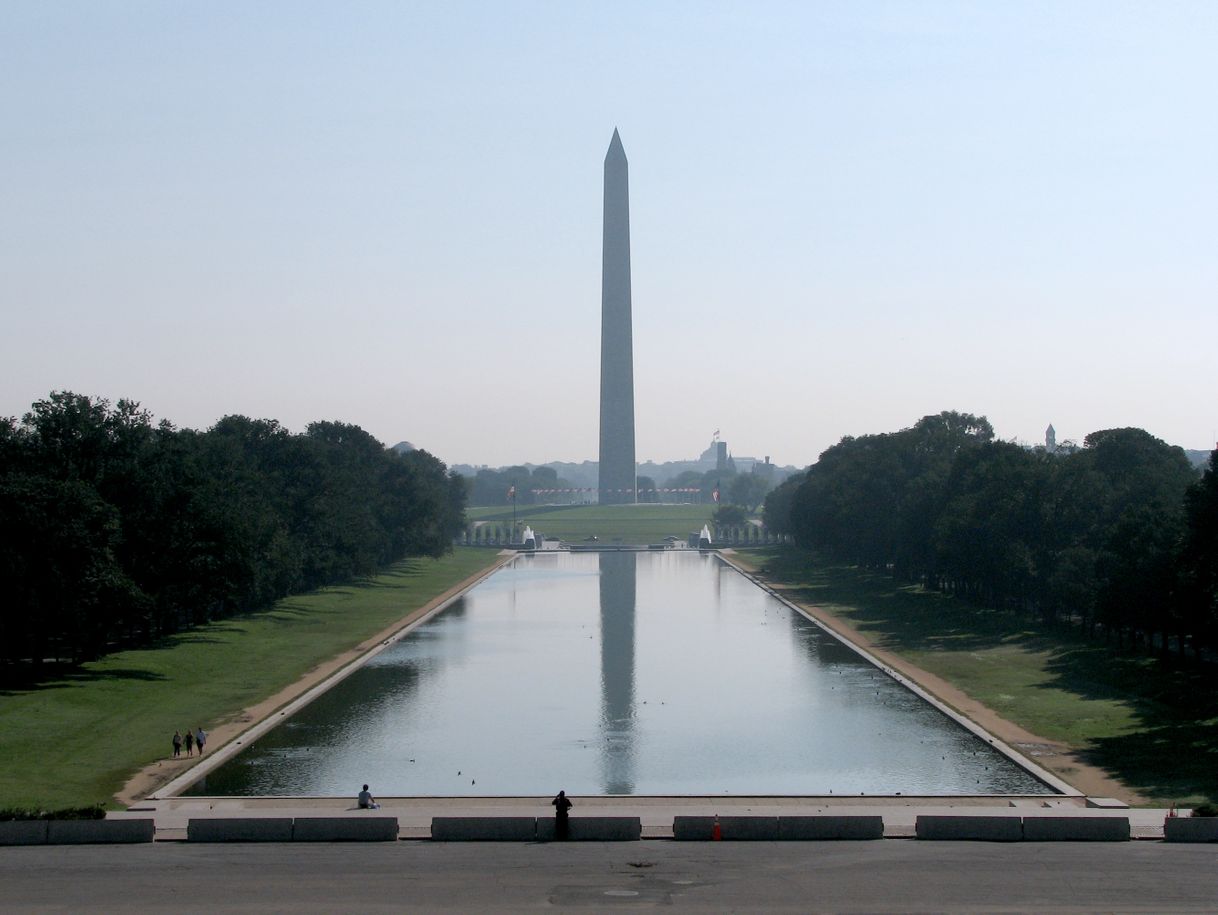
(100, 832)
(970, 828)
(732, 829)
(1191, 829)
(23, 832)
(240, 829)
(484, 829)
(813, 828)
(1076, 829)
(345, 829)
(593, 829)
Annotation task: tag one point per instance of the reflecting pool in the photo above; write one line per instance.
(619, 673)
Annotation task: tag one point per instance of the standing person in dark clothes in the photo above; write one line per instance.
(177, 744)
(190, 743)
(562, 804)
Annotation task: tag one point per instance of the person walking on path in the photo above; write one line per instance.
(200, 739)
(177, 744)
(190, 742)
(562, 804)
(366, 801)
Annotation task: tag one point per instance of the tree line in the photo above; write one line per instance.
(500, 487)
(746, 490)
(115, 531)
(1119, 537)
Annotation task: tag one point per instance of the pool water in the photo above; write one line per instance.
(618, 673)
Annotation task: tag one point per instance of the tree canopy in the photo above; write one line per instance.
(1118, 535)
(115, 531)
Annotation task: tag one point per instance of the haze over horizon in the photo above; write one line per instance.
(842, 218)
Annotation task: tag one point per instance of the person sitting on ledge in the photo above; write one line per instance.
(366, 801)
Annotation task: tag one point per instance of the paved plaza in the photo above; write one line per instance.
(886, 876)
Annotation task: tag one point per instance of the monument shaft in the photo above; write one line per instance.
(617, 465)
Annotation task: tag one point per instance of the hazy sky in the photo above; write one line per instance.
(844, 216)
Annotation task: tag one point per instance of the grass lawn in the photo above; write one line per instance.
(77, 739)
(1154, 727)
(629, 523)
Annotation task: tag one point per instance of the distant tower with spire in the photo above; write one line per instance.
(617, 465)
(1050, 439)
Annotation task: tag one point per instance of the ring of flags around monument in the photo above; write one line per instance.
(546, 492)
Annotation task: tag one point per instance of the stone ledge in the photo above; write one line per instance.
(1190, 829)
(23, 832)
(240, 829)
(1076, 829)
(345, 829)
(101, 832)
(731, 828)
(484, 829)
(816, 828)
(593, 829)
(969, 828)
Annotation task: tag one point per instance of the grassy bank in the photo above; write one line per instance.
(628, 523)
(76, 740)
(1154, 727)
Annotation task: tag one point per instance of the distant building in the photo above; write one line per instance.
(1050, 439)
(578, 482)
(715, 456)
(764, 470)
(1199, 459)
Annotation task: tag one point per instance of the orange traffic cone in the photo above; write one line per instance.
(716, 830)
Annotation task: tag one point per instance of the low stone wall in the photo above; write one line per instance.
(817, 828)
(1191, 829)
(731, 828)
(23, 832)
(100, 832)
(970, 828)
(1075, 829)
(484, 829)
(240, 829)
(345, 829)
(77, 832)
(593, 829)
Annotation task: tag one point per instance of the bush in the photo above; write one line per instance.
(1205, 810)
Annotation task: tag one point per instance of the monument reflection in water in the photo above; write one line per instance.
(619, 673)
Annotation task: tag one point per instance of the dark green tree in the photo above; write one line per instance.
(747, 489)
(729, 516)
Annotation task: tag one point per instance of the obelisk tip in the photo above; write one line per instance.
(616, 150)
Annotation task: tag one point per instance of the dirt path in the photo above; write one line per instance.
(1058, 758)
(147, 780)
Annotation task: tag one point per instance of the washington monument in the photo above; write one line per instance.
(617, 467)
